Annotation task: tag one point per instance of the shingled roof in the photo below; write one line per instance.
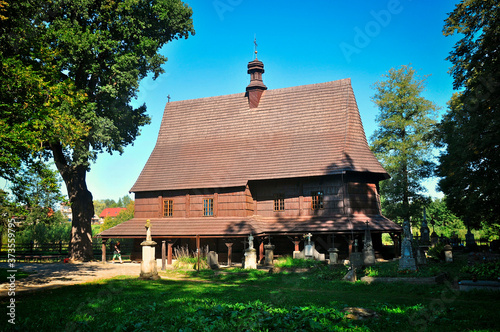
(257, 225)
(302, 131)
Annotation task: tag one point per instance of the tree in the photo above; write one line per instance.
(102, 49)
(35, 102)
(470, 162)
(403, 141)
(37, 186)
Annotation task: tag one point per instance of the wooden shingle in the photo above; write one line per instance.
(302, 131)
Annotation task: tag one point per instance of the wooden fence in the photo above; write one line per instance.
(51, 252)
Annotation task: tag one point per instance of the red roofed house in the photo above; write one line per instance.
(110, 212)
(273, 163)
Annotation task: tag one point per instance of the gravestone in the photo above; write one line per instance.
(470, 242)
(407, 262)
(334, 256)
(268, 254)
(421, 260)
(368, 252)
(213, 260)
(448, 253)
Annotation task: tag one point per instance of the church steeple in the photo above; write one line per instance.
(256, 86)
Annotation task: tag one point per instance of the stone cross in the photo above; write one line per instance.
(250, 241)
(148, 230)
(308, 237)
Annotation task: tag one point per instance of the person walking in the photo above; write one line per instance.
(117, 253)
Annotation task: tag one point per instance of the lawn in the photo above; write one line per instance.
(255, 301)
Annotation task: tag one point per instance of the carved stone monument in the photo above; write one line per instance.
(407, 262)
(424, 231)
(250, 255)
(148, 264)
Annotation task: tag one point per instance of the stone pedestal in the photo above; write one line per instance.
(269, 254)
(308, 250)
(297, 254)
(149, 268)
(334, 256)
(250, 259)
(448, 253)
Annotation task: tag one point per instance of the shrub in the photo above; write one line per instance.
(437, 252)
(485, 271)
(187, 259)
(289, 262)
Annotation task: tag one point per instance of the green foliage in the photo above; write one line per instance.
(470, 163)
(184, 259)
(437, 252)
(121, 217)
(69, 73)
(49, 230)
(483, 271)
(194, 301)
(262, 317)
(37, 186)
(289, 262)
(403, 141)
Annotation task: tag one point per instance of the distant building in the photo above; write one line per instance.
(276, 164)
(65, 209)
(110, 212)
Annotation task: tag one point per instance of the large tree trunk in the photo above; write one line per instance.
(80, 246)
(82, 206)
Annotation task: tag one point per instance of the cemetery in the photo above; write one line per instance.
(422, 291)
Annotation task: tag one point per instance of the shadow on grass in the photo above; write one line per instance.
(250, 301)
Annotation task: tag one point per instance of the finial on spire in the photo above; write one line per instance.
(255, 43)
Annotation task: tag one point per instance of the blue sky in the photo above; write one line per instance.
(299, 43)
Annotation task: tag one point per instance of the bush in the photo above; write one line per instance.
(289, 262)
(186, 259)
(484, 271)
(437, 252)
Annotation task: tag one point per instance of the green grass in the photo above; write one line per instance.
(239, 300)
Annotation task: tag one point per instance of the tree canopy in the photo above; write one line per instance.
(403, 141)
(470, 163)
(80, 62)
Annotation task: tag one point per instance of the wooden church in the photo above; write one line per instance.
(276, 164)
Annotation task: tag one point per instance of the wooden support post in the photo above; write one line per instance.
(163, 255)
(103, 251)
(229, 253)
(296, 242)
(350, 241)
(261, 250)
(169, 252)
(198, 250)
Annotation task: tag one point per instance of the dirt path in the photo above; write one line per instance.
(51, 275)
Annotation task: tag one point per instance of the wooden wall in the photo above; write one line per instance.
(189, 203)
(258, 198)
